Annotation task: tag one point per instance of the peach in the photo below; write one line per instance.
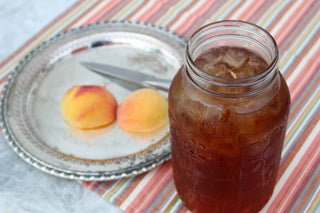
(89, 106)
(144, 110)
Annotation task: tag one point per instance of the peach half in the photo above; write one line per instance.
(144, 110)
(89, 106)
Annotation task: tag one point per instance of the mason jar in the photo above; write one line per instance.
(228, 112)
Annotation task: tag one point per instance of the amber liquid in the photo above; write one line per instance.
(226, 159)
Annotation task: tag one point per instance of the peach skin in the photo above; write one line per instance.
(144, 110)
(89, 106)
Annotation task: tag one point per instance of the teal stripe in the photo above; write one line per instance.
(124, 13)
(174, 13)
(306, 187)
(302, 22)
(299, 48)
(115, 194)
(164, 190)
(266, 21)
(290, 142)
(304, 121)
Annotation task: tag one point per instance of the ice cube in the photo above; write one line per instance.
(235, 58)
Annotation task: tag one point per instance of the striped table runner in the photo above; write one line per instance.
(296, 28)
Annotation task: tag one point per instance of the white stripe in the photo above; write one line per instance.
(302, 175)
(186, 15)
(83, 20)
(226, 12)
(128, 10)
(313, 198)
(283, 179)
(303, 123)
(240, 10)
(305, 42)
(281, 22)
(138, 189)
(275, 10)
(303, 62)
(154, 187)
(173, 12)
(118, 191)
(168, 202)
(143, 10)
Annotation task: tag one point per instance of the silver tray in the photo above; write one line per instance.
(30, 104)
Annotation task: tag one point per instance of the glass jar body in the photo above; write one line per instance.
(226, 149)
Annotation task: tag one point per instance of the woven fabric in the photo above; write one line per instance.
(295, 26)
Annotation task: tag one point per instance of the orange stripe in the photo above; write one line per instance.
(143, 194)
(293, 21)
(300, 30)
(194, 17)
(249, 12)
(235, 9)
(129, 190)
(308, 193)
(82, 15)
(264, 8)
(105, 186)
(155, 191)
(305, 97)
(35, 37)
(302, 80)
(204, 19)
(166, 7)
(292, 180)
(280, 15)
(297, 146)
(171, 189)
(300, 57)
(137, 9)
(181, 14)
(103, 11)
(153, 10)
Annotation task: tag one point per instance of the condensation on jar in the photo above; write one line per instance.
(228, 111)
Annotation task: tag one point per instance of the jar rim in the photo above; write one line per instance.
(239, 25)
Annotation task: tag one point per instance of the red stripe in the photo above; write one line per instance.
(303, 186)
(313, 201)
(145, 2)
(69, 26)
(166, 7)
(293, 21)
(249, 11)
(153, 10)
(178, 16)
(309, 192)
(155, 178)
(103, 11)
(283, 12)
(154, 192)
(183, 27)
(302, 80)
(289, 188)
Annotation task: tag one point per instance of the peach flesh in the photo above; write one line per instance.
(144, 110)
(89, 106)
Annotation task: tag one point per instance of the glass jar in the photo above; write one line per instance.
(227, 131)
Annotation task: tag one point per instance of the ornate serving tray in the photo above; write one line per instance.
(30, 105)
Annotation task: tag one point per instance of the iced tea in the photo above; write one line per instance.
(226, 149)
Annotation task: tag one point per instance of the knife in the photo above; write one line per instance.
(128, 75)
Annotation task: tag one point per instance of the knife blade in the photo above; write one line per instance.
(128, 75)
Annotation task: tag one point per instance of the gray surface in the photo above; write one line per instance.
(24, 188)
